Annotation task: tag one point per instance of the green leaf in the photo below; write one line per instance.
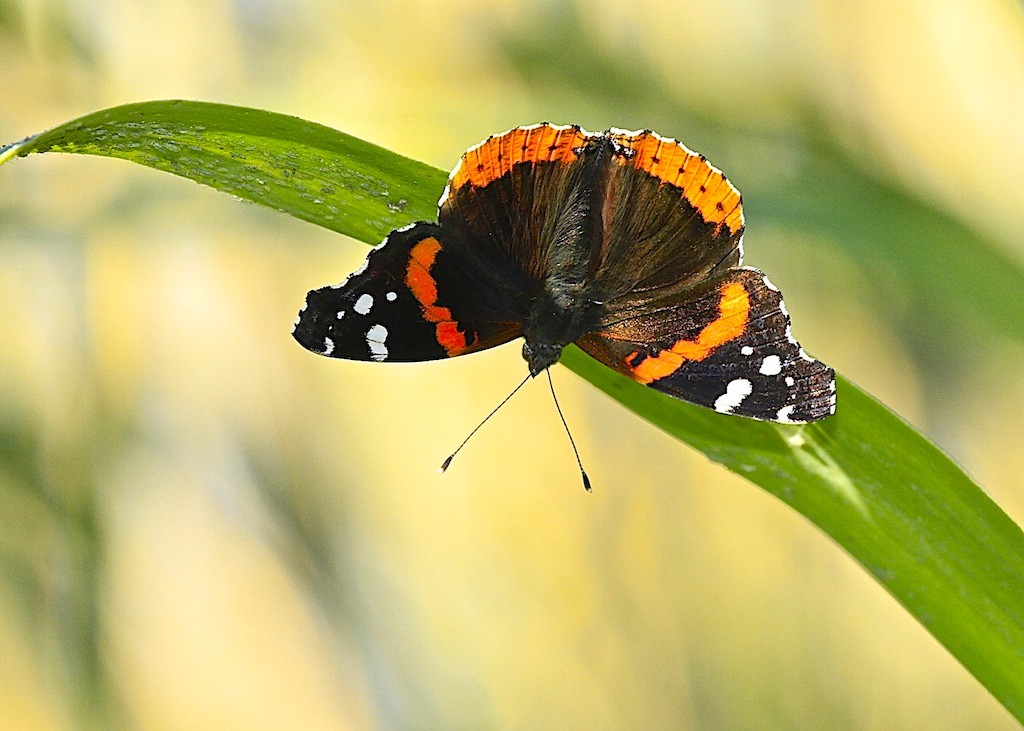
(304, 169)
(892, 499)
(895, 502)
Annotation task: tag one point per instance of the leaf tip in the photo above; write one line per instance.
(15, 149)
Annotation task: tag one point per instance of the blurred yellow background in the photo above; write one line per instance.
(203, 526)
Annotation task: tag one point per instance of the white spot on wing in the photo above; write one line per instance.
(341, 314)
(789, 380)
(747, 350)
(735, 392)
(784, 413)
(391, 296)
(364, 304)
(328, 346)
(375, 338)
(771, 365)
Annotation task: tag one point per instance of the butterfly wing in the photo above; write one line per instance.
(612, 212)
(725, 344)
(668, 217)
(520, 198)
(418, 296)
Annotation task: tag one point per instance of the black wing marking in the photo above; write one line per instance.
(726, 345)
(416, 298)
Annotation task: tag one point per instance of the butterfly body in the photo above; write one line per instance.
(625, 243)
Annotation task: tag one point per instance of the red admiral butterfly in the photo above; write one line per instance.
(625, 243)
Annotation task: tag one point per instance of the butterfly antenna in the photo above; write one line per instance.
(583, 472)
(444, 465)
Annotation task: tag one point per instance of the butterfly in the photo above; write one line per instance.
(627, 244)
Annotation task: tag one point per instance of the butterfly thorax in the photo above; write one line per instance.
(557, 317)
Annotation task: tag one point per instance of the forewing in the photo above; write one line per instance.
(517, 194)
(668, 216)
(417, 297)
(726, 345)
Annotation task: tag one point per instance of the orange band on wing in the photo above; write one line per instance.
(704, 187)
(495, 156)
(424, 288)
(733, 311)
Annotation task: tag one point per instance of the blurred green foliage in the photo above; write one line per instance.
(900, 506)
(932, 279)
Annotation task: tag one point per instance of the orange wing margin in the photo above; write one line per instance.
(495, 156)
(703, 185)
